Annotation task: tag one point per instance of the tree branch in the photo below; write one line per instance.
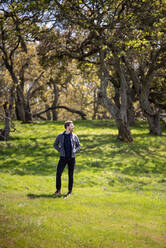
(30, 92)
(82, 114)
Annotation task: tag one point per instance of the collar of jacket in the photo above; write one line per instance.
(70, 134)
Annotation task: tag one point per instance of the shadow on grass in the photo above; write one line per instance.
(36, 155)
(34, 196)
(96, 124)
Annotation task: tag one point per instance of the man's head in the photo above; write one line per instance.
(69, 126)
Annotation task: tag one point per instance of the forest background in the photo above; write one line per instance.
(83, 60)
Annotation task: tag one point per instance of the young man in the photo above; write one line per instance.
(67, 144)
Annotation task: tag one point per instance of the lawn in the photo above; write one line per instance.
(119, 194)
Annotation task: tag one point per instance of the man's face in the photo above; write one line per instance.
(71, 127)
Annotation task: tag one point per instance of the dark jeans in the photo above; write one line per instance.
(61, 165)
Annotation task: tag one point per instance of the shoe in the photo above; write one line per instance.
(58, 192)
(68, 194)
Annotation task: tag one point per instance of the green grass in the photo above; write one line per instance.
(119, 194)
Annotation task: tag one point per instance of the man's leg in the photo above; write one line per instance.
(71, 165)
(60, 168)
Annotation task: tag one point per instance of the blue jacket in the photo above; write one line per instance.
(59, 144)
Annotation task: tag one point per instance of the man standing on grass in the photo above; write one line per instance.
(67, 144)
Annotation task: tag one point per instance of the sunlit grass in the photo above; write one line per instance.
(119, 190)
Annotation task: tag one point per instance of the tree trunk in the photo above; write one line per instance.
(124, 133)
(23, 111)
(28, 114)
(119, 109)
(151, 112)
(154, 124)
(54, 114)
(20, 115)
(130, 113)
(7, 126)
(55, 101)
(4, 133)
(122, 121)
(48, 114)
(95, 104)
(20, 112)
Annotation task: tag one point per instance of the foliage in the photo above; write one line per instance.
(116, 48)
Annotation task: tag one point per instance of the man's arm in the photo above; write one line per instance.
(56, 144)
(77, 144)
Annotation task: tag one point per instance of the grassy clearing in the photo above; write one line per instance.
(119, 191)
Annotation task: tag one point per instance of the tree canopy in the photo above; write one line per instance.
(101, 58)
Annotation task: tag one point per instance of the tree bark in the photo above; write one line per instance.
(28, 113)
(123, 131)
(95, 104)
(118, 113)
(19, 104)
(22, 108)
(150, 111)
(154, 123)
(4, 133)
(7, 123)
(48, 113)
(130, 112)
(55, 101)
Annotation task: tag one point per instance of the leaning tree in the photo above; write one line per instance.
(144, 56)
(87, 33)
